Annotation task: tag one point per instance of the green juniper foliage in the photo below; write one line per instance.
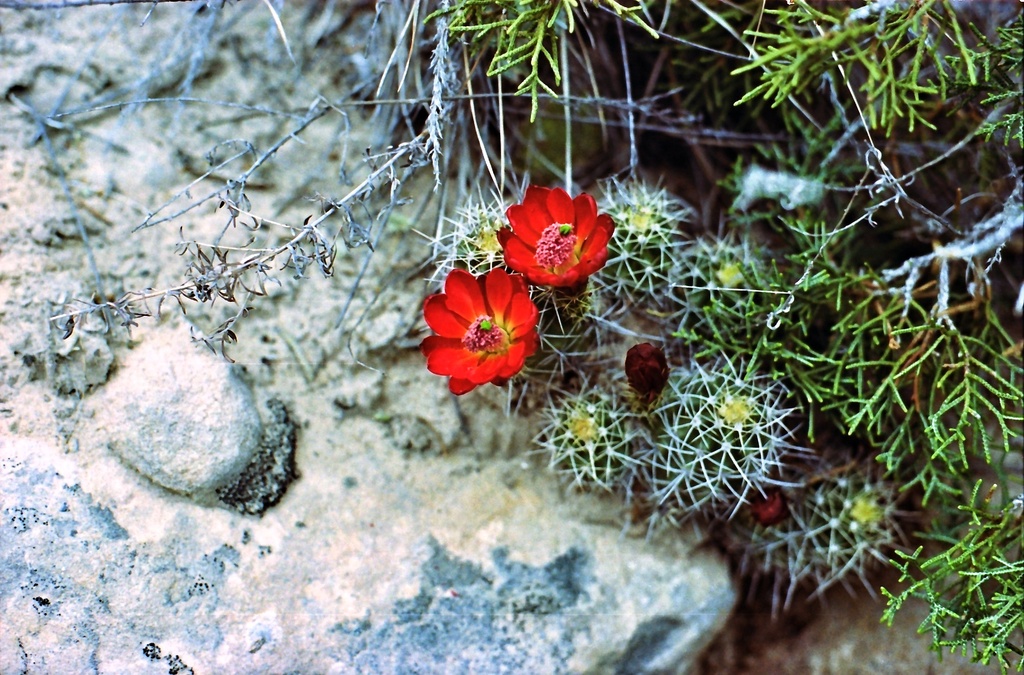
(852, 266)
(975, 587)
(999, 66)
(892, 49)
(525, 34)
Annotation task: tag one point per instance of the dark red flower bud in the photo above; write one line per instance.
(646, 370)
(770, 509)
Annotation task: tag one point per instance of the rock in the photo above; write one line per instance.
(379, 561)
(178, 415)
(422, 416)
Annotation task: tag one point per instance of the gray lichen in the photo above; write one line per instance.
(264, 481)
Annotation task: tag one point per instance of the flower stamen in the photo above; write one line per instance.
(484, 336)
(555, 245)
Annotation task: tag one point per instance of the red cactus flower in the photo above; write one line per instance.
(555, 240)
(771, 509)
(646, 370)
(486, 328)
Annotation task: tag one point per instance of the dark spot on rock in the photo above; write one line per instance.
(545, 590)
(443, 570)
(151, 651)
(199, 587)
(105, 519)
(413, 609)
(352, 626)
(264, 481)
(42, 602)
(646, 645)
(459, 603)
(414, 435)
(175, 666)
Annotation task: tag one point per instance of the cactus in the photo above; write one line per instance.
(647, 245)
(472, 244)
(724, 289)
(568, 332)
(591, 438)
(837, 529)
(722, 437)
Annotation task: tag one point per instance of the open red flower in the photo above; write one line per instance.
(486, 328)
(555, 240)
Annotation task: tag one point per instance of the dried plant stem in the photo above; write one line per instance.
(62, 4)
(315, 112)
(255, 261)
(65, 188)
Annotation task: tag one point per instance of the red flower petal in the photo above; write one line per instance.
(519, 286)
(585, 209)
(459, 387)
(491, 368)
(464, 295)
(505, 298)
(568, 278)
(529, 219)
(498, 291)
(593, 260)
(594, 253)
(522, 315)
(537, 197)
(442, 320)
(516, 358)
(446, 356)
(517, 255)
(604, 228)
(560, 207)
(541, 208)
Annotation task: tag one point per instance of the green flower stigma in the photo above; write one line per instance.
(564, 229)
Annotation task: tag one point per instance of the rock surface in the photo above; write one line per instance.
(420, 534)
(178, 414)
(374, 562)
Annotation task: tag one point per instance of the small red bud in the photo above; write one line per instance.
(646, 370)
(770, 509)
